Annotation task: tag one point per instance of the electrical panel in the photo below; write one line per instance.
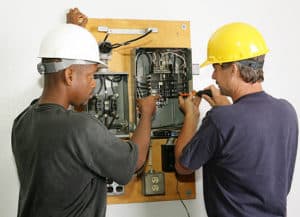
(110, 102)
(165, 72)
(159, 63)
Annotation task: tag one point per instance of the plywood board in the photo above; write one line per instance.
(171, 34)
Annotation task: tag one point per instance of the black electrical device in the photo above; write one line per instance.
(168, 158)
(105, 47)
(206, 92)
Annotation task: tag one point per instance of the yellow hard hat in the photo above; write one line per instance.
(233, 42)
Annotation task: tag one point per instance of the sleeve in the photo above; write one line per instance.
(202, 146)
(105, 154)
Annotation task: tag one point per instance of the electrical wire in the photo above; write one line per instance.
(116, 45)
(142, 86)
(111, 122)
(100, 85)
(178, 193)
(175, 54)
(106, 36)
(113, 79)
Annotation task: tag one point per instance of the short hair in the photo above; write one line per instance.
(251, 69)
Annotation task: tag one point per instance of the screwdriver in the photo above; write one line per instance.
(198, 93)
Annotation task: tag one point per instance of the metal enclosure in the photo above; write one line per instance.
(110, 102)
(166, 72)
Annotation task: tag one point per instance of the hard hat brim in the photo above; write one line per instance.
(206, 63)
(102, 63)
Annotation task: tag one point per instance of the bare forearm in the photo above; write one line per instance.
(141, 137)
(187, 132)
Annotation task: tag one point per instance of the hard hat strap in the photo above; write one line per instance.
(58, 66)
(253, 64)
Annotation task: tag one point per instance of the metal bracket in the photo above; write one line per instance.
(126, 31)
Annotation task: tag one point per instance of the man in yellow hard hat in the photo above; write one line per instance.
(63, 157)
(247, 148)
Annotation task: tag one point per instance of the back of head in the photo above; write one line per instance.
(67, 44)
(234, 42)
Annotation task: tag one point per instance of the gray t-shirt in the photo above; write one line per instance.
(63, 159)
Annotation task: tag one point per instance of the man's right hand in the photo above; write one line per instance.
(147, 105)
(217, 98)
(190, 105)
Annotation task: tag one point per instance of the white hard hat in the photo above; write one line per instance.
(69, 41)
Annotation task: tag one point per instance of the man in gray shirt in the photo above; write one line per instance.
(63, 157)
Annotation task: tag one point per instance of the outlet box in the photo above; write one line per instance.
(153, 183)
(113, 188)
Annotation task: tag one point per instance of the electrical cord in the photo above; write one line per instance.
(178, 193)
(116, 45)
(106, 47)
(111, 122)
(142, 86)
(100, 85)
(115, 78)
(106, 36)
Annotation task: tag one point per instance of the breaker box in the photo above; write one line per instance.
(110, 102)
(165, 72)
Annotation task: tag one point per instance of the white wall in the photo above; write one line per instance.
(23, 23)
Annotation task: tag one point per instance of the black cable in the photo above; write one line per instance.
(106, 36)
(178, 193)
(111, 122)
(100, 85)
(112, 87)
(115, 78)
(105, 88)
(116, 45)
(142, 36)
(174, 65)
(142, 85)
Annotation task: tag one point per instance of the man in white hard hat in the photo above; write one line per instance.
(63, 157)
(248, 148)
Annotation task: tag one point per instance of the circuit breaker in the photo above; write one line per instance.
(165, 72)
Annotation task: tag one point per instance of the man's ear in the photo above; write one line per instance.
(68, 76)
(235, 68)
